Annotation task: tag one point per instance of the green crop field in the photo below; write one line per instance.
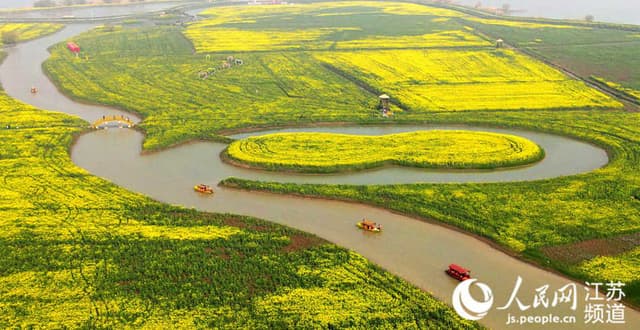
(154, 73)
(79, 252)
(330, 26)
(325, 152)
(608, 53)
(448, 80)
(331, 69)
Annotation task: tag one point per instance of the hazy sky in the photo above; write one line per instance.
(16, 3)
(618, 11)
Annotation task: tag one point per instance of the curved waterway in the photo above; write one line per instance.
(417, 251)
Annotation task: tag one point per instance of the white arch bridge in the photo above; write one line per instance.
(113, 121)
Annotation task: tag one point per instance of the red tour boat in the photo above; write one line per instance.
(458, 272)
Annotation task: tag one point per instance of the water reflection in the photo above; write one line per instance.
(616, 11)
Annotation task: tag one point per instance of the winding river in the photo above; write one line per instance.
(418, 251)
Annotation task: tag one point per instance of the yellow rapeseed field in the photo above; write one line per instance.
(614, 268)
(252, 28)
(326, 152)
(457, 80)
(220, 39)
(629, 91)
(28, 31)
(228, 40)
(242, 14)
(438, 39)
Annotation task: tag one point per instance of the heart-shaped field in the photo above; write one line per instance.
(327, 152)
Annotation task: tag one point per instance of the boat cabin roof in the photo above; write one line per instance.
(368, 223)
(458, 269)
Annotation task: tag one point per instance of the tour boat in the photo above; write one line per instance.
(203, 188)
(369, 226)
(458, 272)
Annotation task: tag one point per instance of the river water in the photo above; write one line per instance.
(84, 11)
(614, 11)
(418, 251)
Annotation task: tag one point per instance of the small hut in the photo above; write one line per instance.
(73, 47)
(499, 43)
(384, 101)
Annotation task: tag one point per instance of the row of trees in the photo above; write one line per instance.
(9, 37)
(53, 3)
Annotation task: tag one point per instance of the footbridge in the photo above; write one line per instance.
(113, 121)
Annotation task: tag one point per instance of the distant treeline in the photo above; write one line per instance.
(53, 3)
